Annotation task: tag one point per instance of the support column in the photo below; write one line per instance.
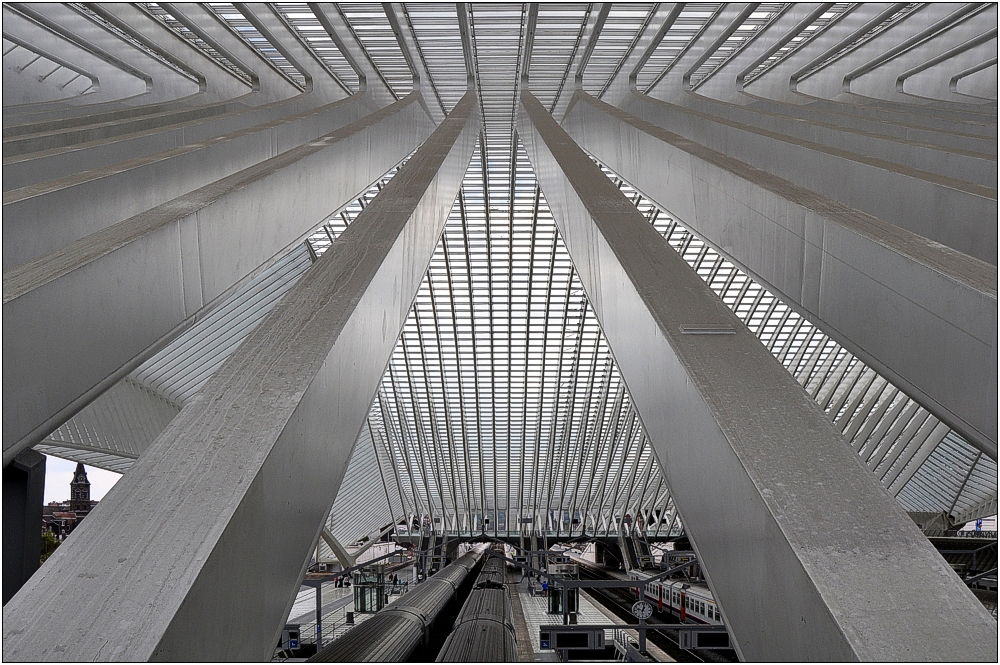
(197, 552)
(791, 528)
(143, 280)
(23, 494)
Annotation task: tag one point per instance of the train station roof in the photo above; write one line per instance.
(502, 396)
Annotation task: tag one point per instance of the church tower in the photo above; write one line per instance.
(79, 491)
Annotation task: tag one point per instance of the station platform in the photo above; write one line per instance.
(337, 602)
(533, 611)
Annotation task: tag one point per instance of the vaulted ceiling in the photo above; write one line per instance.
(502, 399)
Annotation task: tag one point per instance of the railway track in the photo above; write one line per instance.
(620, 602)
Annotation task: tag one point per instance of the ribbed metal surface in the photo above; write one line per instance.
(387, 637)
(480, 642)
(393, 634)
(484, 630)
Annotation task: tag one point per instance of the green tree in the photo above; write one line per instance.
(49, 544)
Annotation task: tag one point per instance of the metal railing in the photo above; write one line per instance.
(951, 533)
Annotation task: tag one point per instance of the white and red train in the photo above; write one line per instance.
(693, 603)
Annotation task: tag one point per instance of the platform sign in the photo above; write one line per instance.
(567, 638)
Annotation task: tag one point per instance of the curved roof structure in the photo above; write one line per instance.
(502, 408)
(502, 396)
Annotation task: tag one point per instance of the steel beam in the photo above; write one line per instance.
(345, 558)
(879, 78)
(143, 280)
(237, 488)
(791, 528)
(919, 313)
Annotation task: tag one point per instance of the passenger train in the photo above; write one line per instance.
(694, 603)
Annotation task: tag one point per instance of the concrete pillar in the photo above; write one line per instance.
(804, 528)
(23, 494)
(197, 552)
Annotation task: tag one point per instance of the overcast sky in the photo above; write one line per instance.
(59, 474)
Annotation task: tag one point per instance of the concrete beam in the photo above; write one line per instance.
(346, 560)
(166, 84)
(932, 79)
(881, 77)
(43, 217)
(977, 81)
(143, 280)
(873, 140)
(220, 83)
(319, 78)
(866, 283)
(33, 75)
(942, 208)
(267, 80)
(239, 484)
(115, 83)
(726, 83)
(791, 528)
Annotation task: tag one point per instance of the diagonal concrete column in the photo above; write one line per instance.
(866, 283)
(792, 529)
(142, 280)
(197, 553)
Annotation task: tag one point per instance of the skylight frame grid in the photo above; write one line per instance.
(485, 372)
(166, 18)
(300, 17)
(559, 32)
(689, 25)
(230, 16)
(439, 43)
(373, 31)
